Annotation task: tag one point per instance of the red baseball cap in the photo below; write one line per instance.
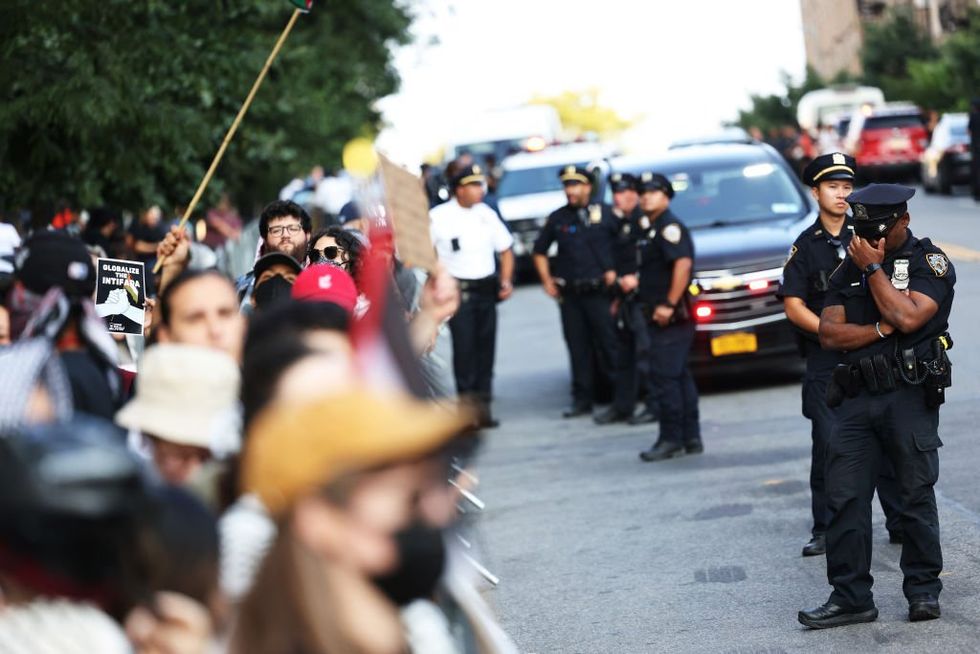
(324, 282)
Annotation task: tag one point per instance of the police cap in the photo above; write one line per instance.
(622, 182)
(650, 181)
(835, 165)
(877, 207)
(575, 175)
(468, 175)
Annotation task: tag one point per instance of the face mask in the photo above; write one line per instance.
(421, 559)
(272, 291)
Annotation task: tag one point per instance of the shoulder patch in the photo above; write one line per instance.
(938, 262)
(792, 251)
(672, 233)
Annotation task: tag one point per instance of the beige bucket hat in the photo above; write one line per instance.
(185, 394)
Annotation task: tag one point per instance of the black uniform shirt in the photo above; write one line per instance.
(666, 241)
(585, 241)
(628, 232)
(919, 266)
(812, 259)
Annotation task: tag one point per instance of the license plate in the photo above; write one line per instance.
(899, 144)
(737, 343)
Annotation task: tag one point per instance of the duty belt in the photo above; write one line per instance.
(484, 285)
(585, 286)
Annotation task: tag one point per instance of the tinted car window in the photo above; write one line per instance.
(734, 193)
(892, 122)
(532, 180)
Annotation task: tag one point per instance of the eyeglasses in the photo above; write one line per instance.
(279, 230)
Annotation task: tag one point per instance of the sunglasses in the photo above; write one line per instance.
(329, 253)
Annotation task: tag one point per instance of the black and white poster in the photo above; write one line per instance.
(120, 295)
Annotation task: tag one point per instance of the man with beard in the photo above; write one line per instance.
(284, 227)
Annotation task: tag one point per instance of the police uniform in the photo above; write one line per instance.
(467, 241)
(585, 253)
(813, 257)
(665, 241)
(889, 394)
(632, 354)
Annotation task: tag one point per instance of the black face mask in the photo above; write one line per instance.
(272, 291)
(421, 560)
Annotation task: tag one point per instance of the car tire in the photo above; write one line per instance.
(926, 186)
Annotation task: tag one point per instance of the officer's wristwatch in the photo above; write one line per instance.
(871, 269)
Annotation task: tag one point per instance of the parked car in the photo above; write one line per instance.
(529, 189)
(887, 141)
(744, 207)
(947, 159)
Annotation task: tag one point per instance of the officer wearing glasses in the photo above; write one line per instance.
(887, 310)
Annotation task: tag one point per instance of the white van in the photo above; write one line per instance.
(824, 106)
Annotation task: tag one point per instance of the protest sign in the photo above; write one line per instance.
(120, 295)
(409, 210)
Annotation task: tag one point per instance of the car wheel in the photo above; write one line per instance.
(926, 186)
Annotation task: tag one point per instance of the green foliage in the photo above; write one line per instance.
(775, 111)
(125, 103)
(899, 58)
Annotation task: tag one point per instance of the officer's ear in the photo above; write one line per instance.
(815, 192)
(903, 222)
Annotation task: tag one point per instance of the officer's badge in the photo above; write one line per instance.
(939, 263)
(595, 214)
(627, 229)
(792, 252)
(644, 223)
(477, 171)
(569, 170)
(839, 159)
(900, 275)
(860, 212)
(882, 227)
(672, 233)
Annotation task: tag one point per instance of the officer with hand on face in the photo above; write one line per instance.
(666, 263)
(632, 370)
(887, 309)
(581, 282)
(806, 278)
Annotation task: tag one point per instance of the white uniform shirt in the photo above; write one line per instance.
(467, 239)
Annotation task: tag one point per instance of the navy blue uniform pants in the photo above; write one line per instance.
(673, 383)
(590, 336)
(474, 330)
(899, 427)
(822, 424)
(633, 363)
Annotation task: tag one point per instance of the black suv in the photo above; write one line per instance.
(744, 207)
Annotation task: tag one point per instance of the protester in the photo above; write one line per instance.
(71, 503)
(201, 308)
(326, 283)
(338, 246)
(52, 298)
(338, 477)
(185, 409)
(223, 223)
(274, 276)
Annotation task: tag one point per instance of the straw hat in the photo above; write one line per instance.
(293, 449)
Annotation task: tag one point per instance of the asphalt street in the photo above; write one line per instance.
(599, 552)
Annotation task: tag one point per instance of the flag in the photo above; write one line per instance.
(303, 5)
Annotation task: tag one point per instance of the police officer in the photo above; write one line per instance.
(888, 310)
(666, 262)
(816, 253)
(631, 328)
(581, 281)
(467, 235)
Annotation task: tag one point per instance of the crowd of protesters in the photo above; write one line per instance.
(243, 477)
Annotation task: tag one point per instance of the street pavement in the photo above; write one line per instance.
(599, 552)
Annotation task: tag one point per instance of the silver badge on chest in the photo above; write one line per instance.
(900, 275)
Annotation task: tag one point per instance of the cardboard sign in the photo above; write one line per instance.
(120, 295)
(409, 211)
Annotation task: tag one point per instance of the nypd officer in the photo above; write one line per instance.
(888, 308)
(583, 275)
(816, 253)
(666, 262)
(632, 371)
(468, 235)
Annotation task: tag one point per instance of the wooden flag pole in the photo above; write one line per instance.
(234, 127)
